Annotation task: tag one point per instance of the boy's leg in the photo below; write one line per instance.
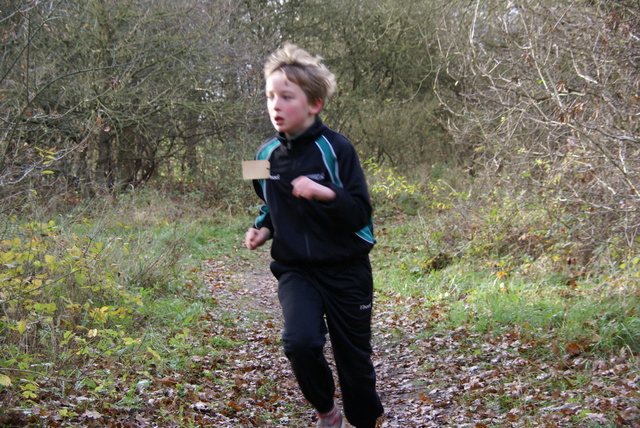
(304, 335)
(348, 310)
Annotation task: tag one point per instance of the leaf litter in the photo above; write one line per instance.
(427, 376)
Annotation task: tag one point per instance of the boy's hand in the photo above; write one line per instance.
(254, 238)
(304, 187)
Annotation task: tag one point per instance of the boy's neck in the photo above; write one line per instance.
(293, 137)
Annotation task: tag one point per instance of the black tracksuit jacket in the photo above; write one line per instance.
(309, 231)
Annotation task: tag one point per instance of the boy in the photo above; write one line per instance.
(318, 213)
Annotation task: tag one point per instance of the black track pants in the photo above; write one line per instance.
(342, 294)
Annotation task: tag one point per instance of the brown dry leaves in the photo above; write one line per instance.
(464, 379)
(457, 378)
(426, 379)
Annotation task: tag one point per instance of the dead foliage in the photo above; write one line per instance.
(426, 377)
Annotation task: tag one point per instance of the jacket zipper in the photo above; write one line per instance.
(294, 167)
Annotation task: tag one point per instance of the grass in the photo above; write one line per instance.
(488, 297)
(122, 280)
(121, 284)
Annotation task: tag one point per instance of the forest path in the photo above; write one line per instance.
(249, 295)
(426, 377)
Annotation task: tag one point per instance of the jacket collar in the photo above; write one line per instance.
(310, 134)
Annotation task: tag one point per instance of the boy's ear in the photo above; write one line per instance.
(316, 106)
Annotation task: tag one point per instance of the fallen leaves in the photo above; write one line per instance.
(464, 378)
(89, 414)
(427, 377)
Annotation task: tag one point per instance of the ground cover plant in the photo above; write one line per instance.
(146, 310)
(501, 146)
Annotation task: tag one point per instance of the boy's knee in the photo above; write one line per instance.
(302, 344)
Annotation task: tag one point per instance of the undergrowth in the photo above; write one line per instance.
(122, 280)
(495, 262)
(118, 279)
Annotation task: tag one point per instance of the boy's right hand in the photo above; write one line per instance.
(254, 238)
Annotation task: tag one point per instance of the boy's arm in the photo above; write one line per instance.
(351, 206)
(262, 229)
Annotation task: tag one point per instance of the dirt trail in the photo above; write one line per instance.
(425, 379)
(251, 294)
(229, 371)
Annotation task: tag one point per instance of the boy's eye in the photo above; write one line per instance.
(283, 97)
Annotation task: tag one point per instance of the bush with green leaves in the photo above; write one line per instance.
(61, 298)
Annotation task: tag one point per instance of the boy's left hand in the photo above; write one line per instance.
(304, 187)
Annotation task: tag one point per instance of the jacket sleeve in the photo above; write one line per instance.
(264, 218)
(351, 209)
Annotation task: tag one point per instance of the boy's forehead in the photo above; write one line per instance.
(279, 78)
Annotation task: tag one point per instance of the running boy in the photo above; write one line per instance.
(317, 211)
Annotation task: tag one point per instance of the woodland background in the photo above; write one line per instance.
(541, 98)
(500, 138)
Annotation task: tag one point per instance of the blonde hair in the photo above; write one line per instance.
(303, 69)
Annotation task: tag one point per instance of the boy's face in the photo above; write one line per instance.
(289, 109)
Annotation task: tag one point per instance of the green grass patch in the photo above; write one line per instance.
(115, 293)
(121, 280)
(487, 296)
